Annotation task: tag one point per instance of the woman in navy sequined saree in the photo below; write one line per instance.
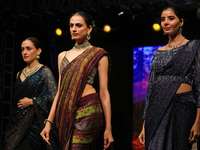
(171, 115)
(35, 88)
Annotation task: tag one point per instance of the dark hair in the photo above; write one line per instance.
(87, 17)
(177, 11)
(35, 41)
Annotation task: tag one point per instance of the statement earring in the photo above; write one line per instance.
(38, 56)
(180, 30)
(88, 36)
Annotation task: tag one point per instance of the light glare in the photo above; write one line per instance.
(156, 27)
(58, 32)
(107, 28)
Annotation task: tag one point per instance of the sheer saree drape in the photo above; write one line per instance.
(26, 124)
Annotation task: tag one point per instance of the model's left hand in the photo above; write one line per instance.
(24, 102)
(194, 133)
(108, 138)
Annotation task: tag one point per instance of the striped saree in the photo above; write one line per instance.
(73, 112)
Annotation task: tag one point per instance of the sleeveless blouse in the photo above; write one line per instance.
(91, 76)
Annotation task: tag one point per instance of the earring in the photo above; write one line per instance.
(164, 33)
(72, 38)
(180, 30)
(38, 56)
(88, 36)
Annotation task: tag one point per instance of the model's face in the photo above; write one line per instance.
(170, 23)
(29, 51)
(78, 28)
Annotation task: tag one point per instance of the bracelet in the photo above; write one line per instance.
(46, 120)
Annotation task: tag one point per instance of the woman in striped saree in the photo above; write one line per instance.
(81, 114)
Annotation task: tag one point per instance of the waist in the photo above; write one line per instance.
(184, 88)
(89, 89)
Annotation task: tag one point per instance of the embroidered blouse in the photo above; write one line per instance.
(91, 76)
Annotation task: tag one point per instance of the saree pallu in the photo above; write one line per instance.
(25, 125)
(174, 129)
(89, 122)
(161, 108)
(73, 80)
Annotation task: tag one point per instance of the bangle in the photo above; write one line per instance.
(46, 120)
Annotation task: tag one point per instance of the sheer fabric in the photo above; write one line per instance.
(26, 124)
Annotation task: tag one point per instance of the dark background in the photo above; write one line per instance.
(20, 19)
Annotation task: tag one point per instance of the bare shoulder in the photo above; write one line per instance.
(62, 54)
(17, 74)
(103, 61)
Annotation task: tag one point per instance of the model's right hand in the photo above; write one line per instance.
(141, 137)
(45, 132)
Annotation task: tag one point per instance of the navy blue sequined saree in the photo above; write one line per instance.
(169, 116)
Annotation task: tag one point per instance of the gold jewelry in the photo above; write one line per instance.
(46, 120)
(177, 45)
(27, 72)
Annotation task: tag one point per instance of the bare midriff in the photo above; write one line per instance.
(89, 89)
(184, 88)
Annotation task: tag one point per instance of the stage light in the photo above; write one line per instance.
(107, 28)
(156, 27)
(58, 32)
(120, 13)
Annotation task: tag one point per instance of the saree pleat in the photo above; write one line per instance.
(159, 121)
(73, 81)
(175, 125)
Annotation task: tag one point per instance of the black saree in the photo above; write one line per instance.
(163, 100)
(26, 124)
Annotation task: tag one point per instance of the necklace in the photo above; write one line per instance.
(177, 45)
(81, 46)
(27, 72)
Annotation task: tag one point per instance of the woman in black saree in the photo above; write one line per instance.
(35, 88)
(172, 114)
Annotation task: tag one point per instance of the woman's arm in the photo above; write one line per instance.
(45, 132)
(105, 99)
(141, 137)
(195, 131)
